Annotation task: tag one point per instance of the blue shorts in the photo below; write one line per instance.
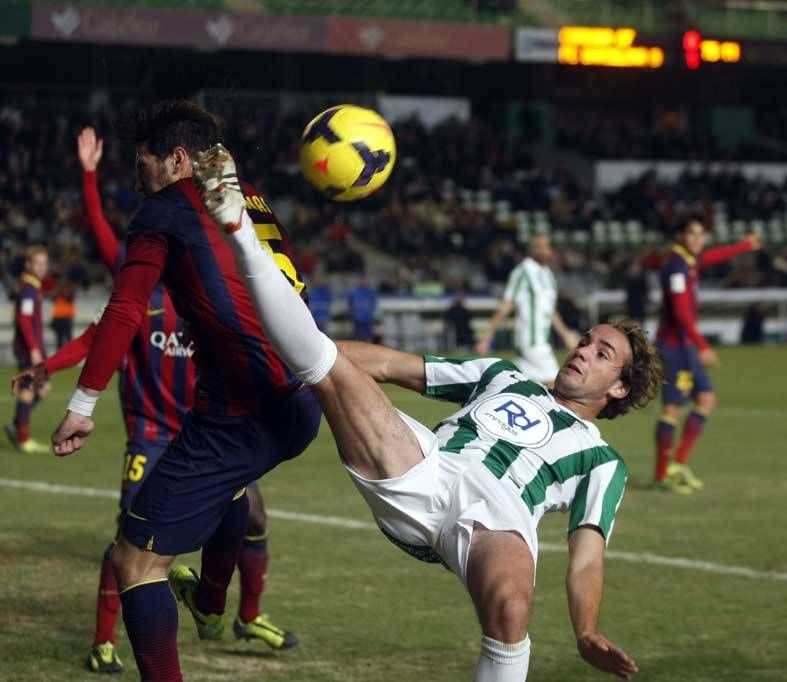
(684, 375)
(207, 466)
(141, 458)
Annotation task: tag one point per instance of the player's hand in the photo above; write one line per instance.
(27, 378)
(754, 240)
(90, 149)
(36, 357)
(482, 346)
(708, 357)
(71, 434)
(604, 655)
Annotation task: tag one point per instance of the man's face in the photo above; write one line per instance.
(153, 173)
(541, 250)
(38, 265)
(592, 370)
(693, 238)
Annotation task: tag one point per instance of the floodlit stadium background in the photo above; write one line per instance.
(597, 122)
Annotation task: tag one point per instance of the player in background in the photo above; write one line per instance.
(249, 413)
(531, 291)
(471, 494)
(29, 347)
(685, 351)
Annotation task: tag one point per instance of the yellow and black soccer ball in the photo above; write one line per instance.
(347, 152)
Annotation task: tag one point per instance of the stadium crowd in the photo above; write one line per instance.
(444, 197)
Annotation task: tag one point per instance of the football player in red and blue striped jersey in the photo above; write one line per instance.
(685, 351)
(29, 347)
(250, 413)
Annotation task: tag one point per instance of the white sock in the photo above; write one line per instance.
(501, 662)
(287, 322)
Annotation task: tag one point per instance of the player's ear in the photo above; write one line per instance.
(618, 390)
(181, 163)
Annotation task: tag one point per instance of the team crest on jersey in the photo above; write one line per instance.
(514, 418)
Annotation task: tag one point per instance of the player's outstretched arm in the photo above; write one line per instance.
(503, 310)
(385, 365)
(569, 336)
(584, 587)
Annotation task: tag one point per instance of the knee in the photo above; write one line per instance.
(133, 565)
(507, 613)
(258, 521)
(706, 403)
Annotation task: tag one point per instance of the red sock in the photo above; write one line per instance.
(219, 556)
(665, 435)
(253, 566)
(108, 605)
(692, 428)
(22, 421)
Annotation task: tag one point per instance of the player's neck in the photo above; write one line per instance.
(582, 409)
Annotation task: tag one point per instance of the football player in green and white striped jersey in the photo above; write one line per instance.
(470, 494)
(531, 292)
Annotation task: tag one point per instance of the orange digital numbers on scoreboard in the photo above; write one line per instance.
(606, 46)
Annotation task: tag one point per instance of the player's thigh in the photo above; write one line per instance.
(139, 460)
(500, 576)
(258, 519)
(371, 436)
(678, 375)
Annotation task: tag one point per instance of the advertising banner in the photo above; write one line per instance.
(537, 45)
(176, 28)
(423, 39)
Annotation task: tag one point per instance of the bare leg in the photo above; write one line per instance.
(500, 580)
(371, 436)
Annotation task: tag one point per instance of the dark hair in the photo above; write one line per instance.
(687, 219)
(169, 124)
(643, 374)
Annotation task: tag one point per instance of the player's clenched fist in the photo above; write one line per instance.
(70, 436)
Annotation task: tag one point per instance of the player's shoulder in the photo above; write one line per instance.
(257, 205)
(171, 210)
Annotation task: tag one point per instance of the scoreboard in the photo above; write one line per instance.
(623, 47)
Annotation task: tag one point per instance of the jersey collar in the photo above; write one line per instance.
(684, 253)
(27, 278)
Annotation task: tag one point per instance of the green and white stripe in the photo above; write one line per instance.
(533, 291)
(573, 470)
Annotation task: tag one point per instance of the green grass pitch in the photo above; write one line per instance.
(366, 611)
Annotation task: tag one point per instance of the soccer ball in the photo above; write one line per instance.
(347, 152)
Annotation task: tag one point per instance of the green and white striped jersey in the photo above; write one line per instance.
(516, 428)
(533, 291)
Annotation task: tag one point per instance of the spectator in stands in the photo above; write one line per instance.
(319, 299)
(362, 306)
(458, 330)
(63, 310)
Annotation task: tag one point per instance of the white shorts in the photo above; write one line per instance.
(431, 510)
(538, 363)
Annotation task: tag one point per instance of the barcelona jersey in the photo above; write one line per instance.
(172, 239)
(29, 328)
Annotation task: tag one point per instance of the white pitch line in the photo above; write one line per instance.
(634, 557)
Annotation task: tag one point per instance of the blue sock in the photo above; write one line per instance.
(151, 617)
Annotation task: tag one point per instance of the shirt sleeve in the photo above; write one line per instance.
(108, 243)
(677, 288)
(513, 282)
(141, 271)
(72, 352)
(455, 379)
(26, 306)
(598, 497)
(718, 254)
